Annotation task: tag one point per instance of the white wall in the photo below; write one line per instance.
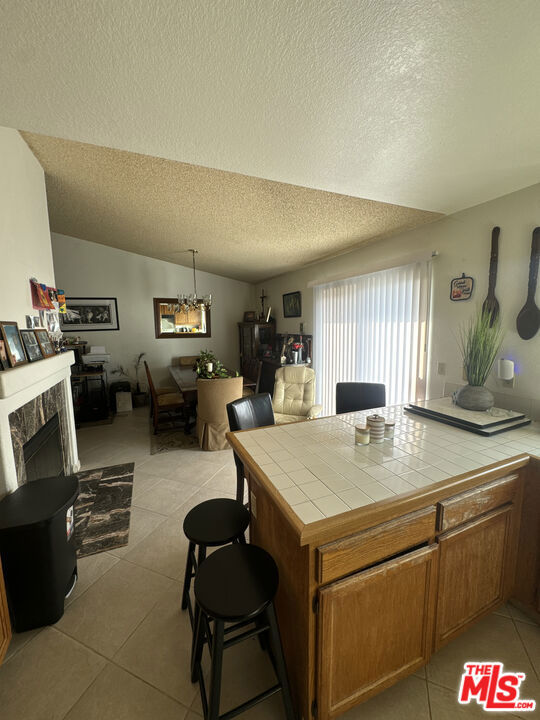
(25, 241)
(85, 269)
(463, 241)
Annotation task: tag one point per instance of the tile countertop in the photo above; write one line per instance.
(321, 472)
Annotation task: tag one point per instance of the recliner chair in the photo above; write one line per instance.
(294, 394)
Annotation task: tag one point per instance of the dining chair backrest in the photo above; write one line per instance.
(252, 411)
(251, 372)
(150, 382)
(212, 398)
(353, 396)
(246, 413)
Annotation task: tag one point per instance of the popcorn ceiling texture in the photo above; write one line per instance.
(244, 227)
(433, 105)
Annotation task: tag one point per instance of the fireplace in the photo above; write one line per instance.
(43, 452)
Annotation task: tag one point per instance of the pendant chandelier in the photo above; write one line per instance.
(192, 301)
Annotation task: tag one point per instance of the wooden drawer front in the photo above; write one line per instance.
(374, 628)
(343, 557)
(468, 505)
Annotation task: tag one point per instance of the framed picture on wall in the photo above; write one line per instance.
(292, 304)
(31, 345)
(90, 314)
(14, 346)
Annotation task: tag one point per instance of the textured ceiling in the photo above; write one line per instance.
(423, 103)
(243, 227)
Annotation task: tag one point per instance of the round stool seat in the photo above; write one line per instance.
(236, 582)
(216, 522)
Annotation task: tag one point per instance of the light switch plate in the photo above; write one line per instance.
(441, 368)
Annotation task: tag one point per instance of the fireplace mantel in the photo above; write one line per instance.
(21, 385)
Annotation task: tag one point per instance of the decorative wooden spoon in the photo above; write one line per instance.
(528, 320)
(491, 303)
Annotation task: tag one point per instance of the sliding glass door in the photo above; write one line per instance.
(373, 328)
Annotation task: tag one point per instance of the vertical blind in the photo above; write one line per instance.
(373, 328)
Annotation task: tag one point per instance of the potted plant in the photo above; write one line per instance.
(479, 342)
(207, 367)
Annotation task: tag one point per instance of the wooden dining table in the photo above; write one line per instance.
(186, 380)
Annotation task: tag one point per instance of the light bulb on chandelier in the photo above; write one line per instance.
(192, 301)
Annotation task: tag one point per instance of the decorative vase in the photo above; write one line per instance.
(295, 357)
(475, 397)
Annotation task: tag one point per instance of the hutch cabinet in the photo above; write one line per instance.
(253, 335)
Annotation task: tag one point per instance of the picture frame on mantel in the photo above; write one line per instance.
(9, 331)
(89, 315)
(31, 345)
(292, 304)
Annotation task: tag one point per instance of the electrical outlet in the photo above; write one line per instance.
(441, 368)
(253, 503)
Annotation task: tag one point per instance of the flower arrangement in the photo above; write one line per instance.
(207, 367)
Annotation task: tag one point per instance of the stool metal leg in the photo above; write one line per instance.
(279, 661)
(215, 673)
(187, 575)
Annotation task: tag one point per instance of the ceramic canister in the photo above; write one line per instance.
(376, 428)
(361, 435)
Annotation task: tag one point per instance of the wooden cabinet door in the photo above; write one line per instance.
(374, 628)
(5, 625)
(475, 571)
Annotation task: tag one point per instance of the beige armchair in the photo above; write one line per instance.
(294, 394)
(212, 421)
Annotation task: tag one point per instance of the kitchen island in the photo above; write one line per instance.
(387, 552)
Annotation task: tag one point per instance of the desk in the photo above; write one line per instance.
(387, 552)
(186, 380)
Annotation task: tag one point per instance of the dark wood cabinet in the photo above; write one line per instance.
(253, 336)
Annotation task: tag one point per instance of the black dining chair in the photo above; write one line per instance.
(247, 413)
(353, 396)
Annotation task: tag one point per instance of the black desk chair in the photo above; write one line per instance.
(353, 396)
(236, 584)
(247, 413)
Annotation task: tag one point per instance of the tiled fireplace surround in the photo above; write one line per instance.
(30, 395)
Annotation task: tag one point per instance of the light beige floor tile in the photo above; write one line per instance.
(159, 650)
(166, 497)
(142, 523)
(117, 695)
(18, 641)
(142, 482)
(90, 569)
(503, 610)
(163, 551)
(205, 493)
(493, 638)
(110, 610)
(408, 700)
(44, 679)
(519, 615)
(223, 480)
(530, 636)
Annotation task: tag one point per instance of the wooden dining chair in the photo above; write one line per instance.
(162, 402)
(251, 373)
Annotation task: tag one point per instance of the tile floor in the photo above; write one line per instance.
(121, 651)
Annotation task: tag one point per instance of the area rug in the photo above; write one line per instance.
(103, 508)
(172, 439)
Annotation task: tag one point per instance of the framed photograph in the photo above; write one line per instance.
(14, 345)
(292, 304)
(89, 315)
(4, 362)
(31, 345)
(250, 316)
(44, 342)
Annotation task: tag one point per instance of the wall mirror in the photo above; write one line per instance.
(173, 320)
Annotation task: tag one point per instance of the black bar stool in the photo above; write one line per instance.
(210, 524)
(236, 584)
